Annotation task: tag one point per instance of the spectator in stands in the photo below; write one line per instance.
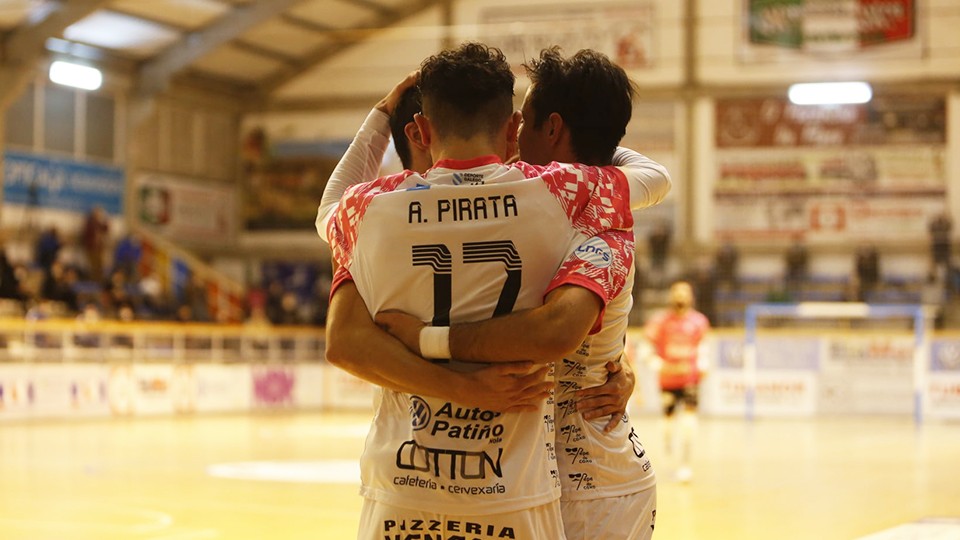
(290, 309)
(727, 265)
(154, 304)
(196, 297)
(57, 287)
(796, 263)
(96, 231)
(866, 271)
(184, 314)
(658, 244)
(48, 248)
(126, 256)
(274, 301)
(940, 228)
(9, 281)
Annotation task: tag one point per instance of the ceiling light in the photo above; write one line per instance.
(75, 75)
(834, 93)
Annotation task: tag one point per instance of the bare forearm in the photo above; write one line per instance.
(541, 334)
(358, 346)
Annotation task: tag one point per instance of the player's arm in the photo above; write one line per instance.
(356, 345)
(649, 181)
(361, 162)
(541, 334)
(572, 308)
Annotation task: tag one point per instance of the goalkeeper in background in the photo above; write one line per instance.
(676, 335)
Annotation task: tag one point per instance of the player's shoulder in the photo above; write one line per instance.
(384, 184)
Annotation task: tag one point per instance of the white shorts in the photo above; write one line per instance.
(630, 517)
(379, 521)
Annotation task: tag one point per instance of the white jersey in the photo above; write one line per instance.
(594, 464)
(468, 241)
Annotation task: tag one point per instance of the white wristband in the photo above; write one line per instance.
(435, 342)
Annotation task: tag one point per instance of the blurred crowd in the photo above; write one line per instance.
(722, 288)
(87, 275)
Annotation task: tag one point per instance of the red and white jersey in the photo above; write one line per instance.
(467, 241)
(594, 464)
(676, 340)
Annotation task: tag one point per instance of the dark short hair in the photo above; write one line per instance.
(408, 106)
(593, 95)
(467, 90)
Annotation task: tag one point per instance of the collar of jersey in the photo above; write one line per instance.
(462, 164)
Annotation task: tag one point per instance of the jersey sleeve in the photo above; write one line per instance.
(595, 199)
(600, 264)
(343, 226)
(648, 181)
(360, 163)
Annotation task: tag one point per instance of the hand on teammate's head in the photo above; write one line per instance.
(389, 103)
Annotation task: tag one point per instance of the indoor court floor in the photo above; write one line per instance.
(279, 476)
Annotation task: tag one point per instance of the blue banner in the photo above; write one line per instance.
(52, 182)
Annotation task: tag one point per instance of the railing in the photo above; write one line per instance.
(109, 341)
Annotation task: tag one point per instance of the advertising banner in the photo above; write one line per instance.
(39, 390)
(837, 174)
(624, 31)
(942, 397)
(785, 29)
(869, 374)
(223, 387)
(778, 393)
(273, 386)
(186, 210)
(40, 181)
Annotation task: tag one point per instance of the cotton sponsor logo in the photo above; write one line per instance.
(596, 252)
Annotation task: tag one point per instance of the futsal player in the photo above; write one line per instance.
(676, 335)
(576, 110)
(469, 239)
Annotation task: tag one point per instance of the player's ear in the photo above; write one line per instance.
(554, 127)
(412, 131)
(513, 126)
(425, 129)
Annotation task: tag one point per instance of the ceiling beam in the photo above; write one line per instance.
(380, 9)
(156, 73)
(156, 21)
(109, 59)
(347, 39)
(27, 42)
(23, 47)
(305, 24)
(265, 52)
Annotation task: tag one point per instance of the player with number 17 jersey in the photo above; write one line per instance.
(466, 241)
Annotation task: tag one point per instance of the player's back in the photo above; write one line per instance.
(463, 244)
